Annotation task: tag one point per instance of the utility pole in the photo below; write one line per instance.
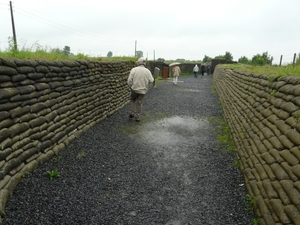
(280, 60)
(294, 59)
(135, 49)
(13, 27)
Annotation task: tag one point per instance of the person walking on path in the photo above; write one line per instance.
(195, 71)
(139, 81)
(155, 74)
(208, 69)
(176, 72)
(202, 70)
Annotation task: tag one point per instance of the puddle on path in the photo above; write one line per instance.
(173, 141)
(174, 130)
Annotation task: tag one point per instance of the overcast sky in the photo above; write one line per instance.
(159, 28)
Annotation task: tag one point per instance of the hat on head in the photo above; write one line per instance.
(141, 61)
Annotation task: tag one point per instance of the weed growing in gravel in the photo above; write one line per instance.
(255, 222)
(53, 174)
(81, 155)
(251, 202)
(213, 88)
(223, 134)
(236, 163)
(57, 159)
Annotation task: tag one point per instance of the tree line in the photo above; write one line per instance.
(256, 60)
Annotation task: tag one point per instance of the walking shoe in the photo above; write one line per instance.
(131, 116)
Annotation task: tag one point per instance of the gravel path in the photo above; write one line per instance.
(168, 169)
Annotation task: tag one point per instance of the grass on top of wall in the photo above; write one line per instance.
(44, 53)
(287, 70)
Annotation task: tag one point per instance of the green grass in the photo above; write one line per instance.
(46, 53)
(57, 159)
(275, 71)
(223, 134)
(53, 174)
(251, 202)
(81, 155)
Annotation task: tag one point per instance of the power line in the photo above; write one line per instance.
(47, 21)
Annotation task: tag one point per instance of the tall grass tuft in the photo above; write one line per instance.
(36, 51)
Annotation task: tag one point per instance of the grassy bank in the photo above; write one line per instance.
(55, 54)
(288, 70)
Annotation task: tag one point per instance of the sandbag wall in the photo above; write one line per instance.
(44, 105)
(263, 113)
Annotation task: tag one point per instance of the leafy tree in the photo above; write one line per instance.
(228, 56)
(261, 60)
(220, 57)
(109, 54)
(206, 59)
(180, 60)
(244, 60)
(66, 50)
(139, 54)
(161, 60)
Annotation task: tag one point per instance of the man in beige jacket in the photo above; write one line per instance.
(139, 81)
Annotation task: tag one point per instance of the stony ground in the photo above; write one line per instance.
(168, 169)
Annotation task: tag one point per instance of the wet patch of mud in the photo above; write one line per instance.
(174, 140)
(173, 131)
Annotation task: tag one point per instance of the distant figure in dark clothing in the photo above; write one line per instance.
(202, 70)
(208, 69)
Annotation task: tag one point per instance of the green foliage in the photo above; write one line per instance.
(57, 159)
(224, 135)
(53, 174)
(236, 163)
(36, 51)
(244, 60)
(26, 174)
(139, 54)
(67, 50)
(251, 202)
(183, 61)
(263, 59)
(81, 155)
(273, 71)
(160, 60)
(257, 60)
(206, 59)
(228, 56)
(255, 222)
(220, 57)
(109, 54)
